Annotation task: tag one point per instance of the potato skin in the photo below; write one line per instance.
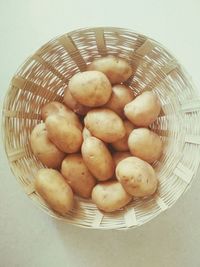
(143, 110)
(58, 108)
(53, 188)
(77, 175)
(105, 124)
(137, 177)
(145, 144)
(121, 95)
(122, 144)
(86, 133)
(71, 102)
(44, 149)
(66, 136)
(119, 156)
(97, 158)
(116, 69)
(90, 88)
(110, 196)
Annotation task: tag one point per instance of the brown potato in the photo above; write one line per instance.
(98, 159)
(53, 188)
(137, 177)
(122, 144)
(71, 102)
(90, 88)
(65, 136)
(143, 110)
(58, 108)
(145, 144)
(116, 69)
(86, 133)
(44, 149)
(121, 95)
(110, 196)
(105, 124)
(118, 156)
(77, 175)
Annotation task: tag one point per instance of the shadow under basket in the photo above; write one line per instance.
(45, 75)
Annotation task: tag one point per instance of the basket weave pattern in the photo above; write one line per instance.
(44, 77)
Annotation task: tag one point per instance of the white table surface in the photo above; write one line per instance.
(28, 237)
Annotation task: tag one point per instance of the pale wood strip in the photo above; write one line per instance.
(166, 70)
(67, 42)
(29, 189)
(183, 172)
(163, 206)
(30, 86)
(97, 219)
(16, 154)
(191, 105)
(130, 217)
(21, 114)
(145, 48)
(50, 68)
(100, 40)
(194, 139)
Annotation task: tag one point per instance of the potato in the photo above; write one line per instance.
(86, 133)
(44, 149)
(122, 144)
(116, 69)
(118, 156)
(137, 177)
(143, 110)
(110, 196)
(58, 108)
(97, 158)
(77, 175)
(105, 124)
(90, 88)
(121, 95)
(145, 144)
(66, 136)
(71, 102)
(53, 188)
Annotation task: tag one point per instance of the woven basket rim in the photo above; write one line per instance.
(6, 97)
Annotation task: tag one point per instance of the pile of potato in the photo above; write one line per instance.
(96, 144)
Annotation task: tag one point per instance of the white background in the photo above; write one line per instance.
(28, 237)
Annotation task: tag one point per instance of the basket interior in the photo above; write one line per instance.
(44, 77)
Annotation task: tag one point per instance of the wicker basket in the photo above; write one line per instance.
(45, 75)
